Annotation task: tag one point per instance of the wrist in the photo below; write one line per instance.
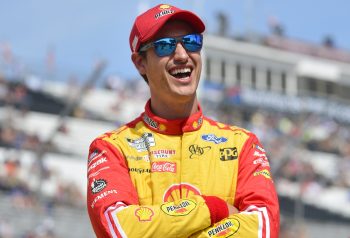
(217, 207)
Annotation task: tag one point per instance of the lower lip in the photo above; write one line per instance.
(184, 80)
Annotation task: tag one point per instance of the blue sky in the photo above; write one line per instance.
(80, 32)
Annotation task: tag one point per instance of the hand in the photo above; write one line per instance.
(231, 209)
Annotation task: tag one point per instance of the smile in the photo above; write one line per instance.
(181, 73)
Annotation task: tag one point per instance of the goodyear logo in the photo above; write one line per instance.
(264, 173)
(224, 228)
(182, 209)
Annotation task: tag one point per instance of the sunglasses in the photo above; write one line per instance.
(166, 46)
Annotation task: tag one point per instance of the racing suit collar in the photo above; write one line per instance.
(172, 127)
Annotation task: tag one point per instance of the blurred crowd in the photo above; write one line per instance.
(285, 137)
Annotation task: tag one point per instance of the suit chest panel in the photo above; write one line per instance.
(164, 168)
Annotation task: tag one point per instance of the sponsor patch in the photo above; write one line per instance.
(163, 166)
(95, 155)
(163, 154)
(182, 209)
(197, 151)
(259, 148)
(260, 154)
(139, 170)
(97, 172)
(228, 154)
(144, 214)
(142, 144)
(149, 121)
(224, 228)
(262, 162)
(102, 195)
(98, 185)
(164, 13)
(264, 173)
(214, 138)
(97, 163)
(138, 158)
(182, 190)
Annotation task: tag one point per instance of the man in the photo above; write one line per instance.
(173, 172)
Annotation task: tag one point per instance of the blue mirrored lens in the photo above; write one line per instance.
(166, 46)
(192, 43)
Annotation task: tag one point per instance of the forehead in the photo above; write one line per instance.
(174, 28)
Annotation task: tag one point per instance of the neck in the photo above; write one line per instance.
(174, 109)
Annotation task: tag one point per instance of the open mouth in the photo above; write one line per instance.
(181, 73)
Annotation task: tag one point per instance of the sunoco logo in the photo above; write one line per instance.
(225, 228)
(182, 209)
(264, 173)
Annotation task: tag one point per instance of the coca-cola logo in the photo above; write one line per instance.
(163, 166)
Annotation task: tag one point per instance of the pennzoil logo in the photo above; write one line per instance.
(184, 208)
(264, 173)
(224, 228)
(228, 154)
(165, 10)
(144, 214)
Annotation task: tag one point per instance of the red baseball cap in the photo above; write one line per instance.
(148, 23)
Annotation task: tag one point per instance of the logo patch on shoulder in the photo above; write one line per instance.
(98, 185)
(264, 173)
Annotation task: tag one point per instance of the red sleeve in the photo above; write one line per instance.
(108, 183)
(255, 188)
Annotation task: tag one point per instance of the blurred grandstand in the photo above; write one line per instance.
(292, 94)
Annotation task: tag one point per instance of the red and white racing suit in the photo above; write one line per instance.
(172, 178)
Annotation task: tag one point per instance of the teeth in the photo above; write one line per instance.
(180, 71)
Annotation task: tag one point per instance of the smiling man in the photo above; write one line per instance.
(172, 172)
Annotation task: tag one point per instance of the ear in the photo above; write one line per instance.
(139, 62)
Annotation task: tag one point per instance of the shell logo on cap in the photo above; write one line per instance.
(164, 6)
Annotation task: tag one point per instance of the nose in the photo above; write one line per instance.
(180, 53)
